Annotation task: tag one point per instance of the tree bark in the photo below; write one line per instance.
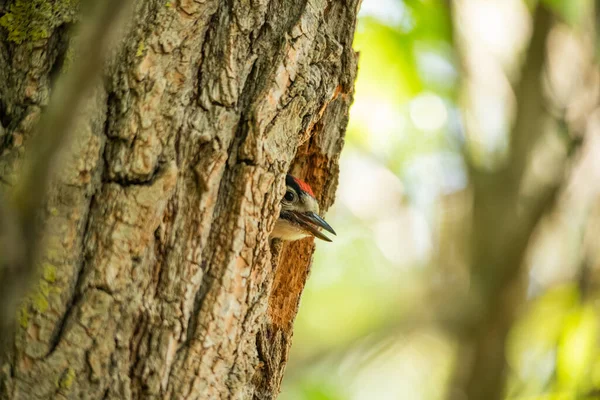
(158, 279)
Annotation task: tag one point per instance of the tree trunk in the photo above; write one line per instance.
(158, 279)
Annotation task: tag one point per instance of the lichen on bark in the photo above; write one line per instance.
(32, 20)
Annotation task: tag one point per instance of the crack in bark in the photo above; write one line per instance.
(77, 293)
(198, 301)
(128, 181)
(212, 23)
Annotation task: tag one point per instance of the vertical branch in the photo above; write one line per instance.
(503, 222)
(95, 36)
(12, 259)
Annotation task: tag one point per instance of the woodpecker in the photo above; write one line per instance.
(299, 216)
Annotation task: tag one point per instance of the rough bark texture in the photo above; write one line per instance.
(158, 280)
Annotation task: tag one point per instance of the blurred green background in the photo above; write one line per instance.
(432, 82)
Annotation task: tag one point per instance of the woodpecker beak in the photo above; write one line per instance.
(312, 222)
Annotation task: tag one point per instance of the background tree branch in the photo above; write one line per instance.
(505, 215)
(21, 208)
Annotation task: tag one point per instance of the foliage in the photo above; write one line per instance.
(356, 336)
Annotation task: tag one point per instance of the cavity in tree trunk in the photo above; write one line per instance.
(157, 278)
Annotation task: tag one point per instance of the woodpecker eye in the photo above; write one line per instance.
(289, 196)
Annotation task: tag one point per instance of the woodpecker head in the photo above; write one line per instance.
(299, 216)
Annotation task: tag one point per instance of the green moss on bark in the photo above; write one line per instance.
(40, 297)
(24, 317)
(66, 381)
(140, 50)
(49, 272)
(36, 19)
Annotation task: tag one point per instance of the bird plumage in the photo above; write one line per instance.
(299, 216)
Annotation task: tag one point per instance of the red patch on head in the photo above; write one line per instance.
(304, 186)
